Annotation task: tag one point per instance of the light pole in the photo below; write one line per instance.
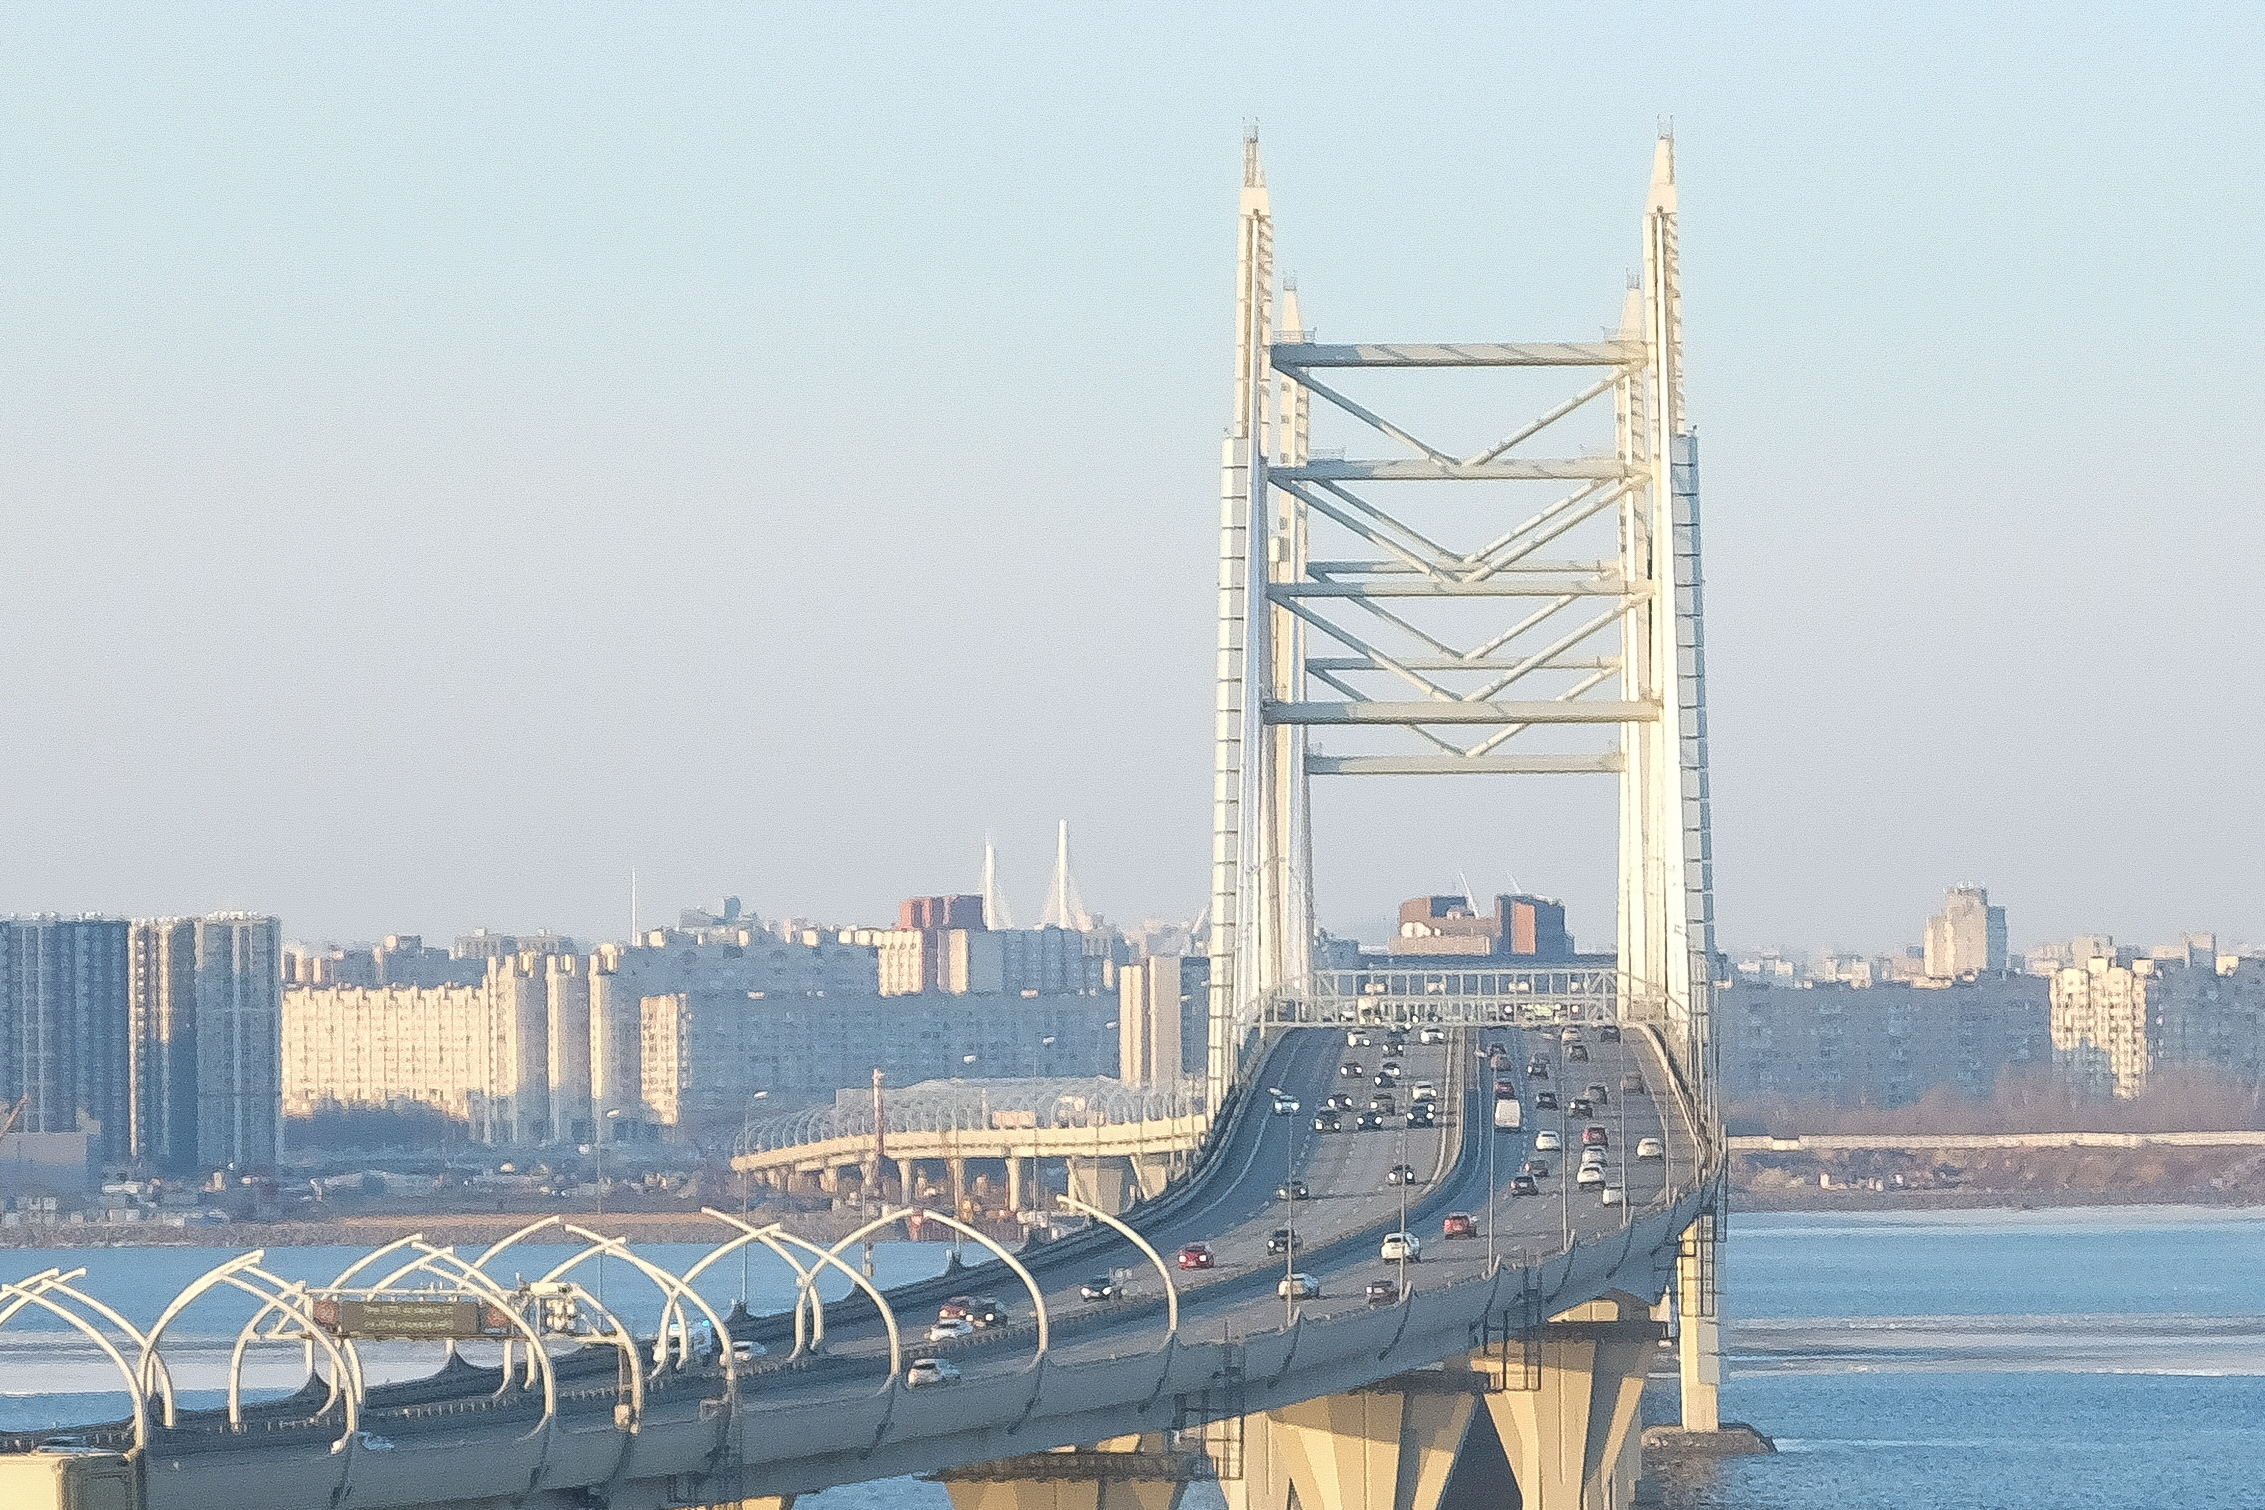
(610, 1116)
(1038, 1057)
(1289, 1215)
(746, 1192)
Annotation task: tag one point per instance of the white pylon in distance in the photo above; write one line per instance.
(1064, 908)
(996, 914)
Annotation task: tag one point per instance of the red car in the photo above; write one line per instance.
(1594, 1137)
(1196, 1256)
(1459, 1224)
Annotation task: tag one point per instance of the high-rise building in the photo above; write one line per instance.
(1148, 1021)
(2118, 1023)
(64, 1027)
(205, 1053)
(1967, 938)
(1521, 929)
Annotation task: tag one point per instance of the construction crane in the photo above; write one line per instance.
(15, 1115)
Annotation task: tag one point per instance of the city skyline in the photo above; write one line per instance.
(479, 449)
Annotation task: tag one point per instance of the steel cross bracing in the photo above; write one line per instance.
(1560, 637)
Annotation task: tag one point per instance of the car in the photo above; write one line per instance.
(1385, 1080)
(1650, 1148)
(1594, 1136)
(1545, 1101)
(1632, 1084)
(1341, 1102)
(1299, 1287)
(1420, 1115)
(930, 1371)
(744, 1351)
(1370, 1121)
(1351, 1069)
(1401, 1174)
(1426, 1091)
(1290, 1190)
(1576, 1054)
(1381, 1292)
(1537, 1071)
(985, 1310)
(1459, 1224)
(1197, 1256)
(1326, 1122)
(1596, 1094)
(1432, 1035)
(955, 1309)
(1283, 1240)
(1496, 1060)
(1101, 1287)
(1504, 1086)
(1523, 1184)
(1546, 1141)
(1538, 1168)
(1594, 1156)
(1356, 1038)
(1569, 1035)
(1385, 1104)
(1401, 1245)
(1285, 1106)
(1392, 1067)
(1591, 1174)
(1613, 1195)
(1397, 1040)
(1608, 1032)
(1580, 1106)
(946, 1331)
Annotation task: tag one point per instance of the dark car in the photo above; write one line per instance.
(1385, 1104)
(1580, 1106)
(1390, 1067)
(1538, 1168)
(1382, 1292)
(1608, 1032)
(1290, 1190)
(1632, 1084)
(1594, 1137)
(1100, 1287)
(1370, 1121)
(985, 1310)
(1459, 1224)
(1596, 1094)
(1326, 1122)
(1351, 1069)
(1383, 1080)
(1523, 1184)
(1283, 1240)
(1576, 1053)
(1341, 1102)
(1545, 1101)
(1401, 1174)
(1397, 1043)
(1537, 1071)
(1420, 1115)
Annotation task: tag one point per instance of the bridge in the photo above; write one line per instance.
(1506, 1356)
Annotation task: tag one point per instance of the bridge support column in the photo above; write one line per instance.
(1072, 1479)
(1014, 1183)
(1099, 1182)
(1152, 1173)
(958, 1168)
(1573, 1443)
(1699, 1349)
(1390, 1447)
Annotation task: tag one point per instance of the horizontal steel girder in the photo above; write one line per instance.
(1573, 712)
(1453, 663)
(1418, 469)
(1465, 765)
(1288, 354)
(1505, 586)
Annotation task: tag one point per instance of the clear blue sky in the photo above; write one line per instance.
(455, 455)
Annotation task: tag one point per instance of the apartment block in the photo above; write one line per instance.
(2117, 1022)
(1878, 1046)
(1967, 938)
(65, 1042)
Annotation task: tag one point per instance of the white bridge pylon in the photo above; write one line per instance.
(1529, 608)
(1561, 637)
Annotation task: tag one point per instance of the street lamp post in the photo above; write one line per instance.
(746, 1194)
(610, 1116)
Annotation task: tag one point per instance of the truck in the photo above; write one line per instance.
(1509, 1116)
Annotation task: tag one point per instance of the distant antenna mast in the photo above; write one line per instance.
(1064, 909)
(996, 913)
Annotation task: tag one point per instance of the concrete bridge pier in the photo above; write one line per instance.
(1699, 1347)
(1569, 1442)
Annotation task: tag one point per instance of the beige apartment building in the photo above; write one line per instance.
(2119, 1021)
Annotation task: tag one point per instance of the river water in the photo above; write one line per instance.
(2102, 1358)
